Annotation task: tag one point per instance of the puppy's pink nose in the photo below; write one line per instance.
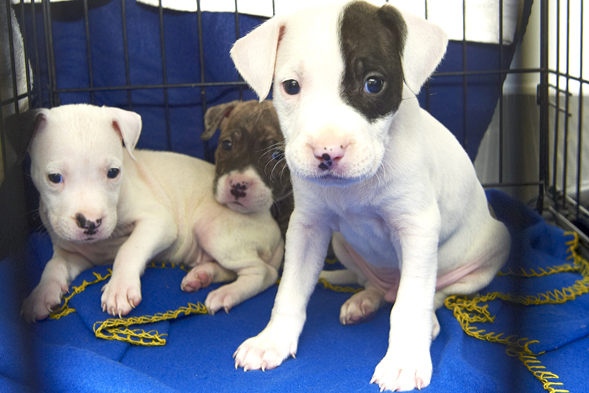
(328, 155)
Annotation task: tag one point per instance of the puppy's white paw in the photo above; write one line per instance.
(44, 298)
(197, 278)
(361, 307)
(264, 352)
(223, 298)
(403, 370)
(121, 295)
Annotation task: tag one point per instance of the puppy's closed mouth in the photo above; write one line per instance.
(330, 179)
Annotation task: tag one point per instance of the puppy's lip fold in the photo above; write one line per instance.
(329, 179)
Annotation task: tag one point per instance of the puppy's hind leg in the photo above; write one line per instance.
(339, 277)
(250, 281)
(495, 256)
(203, 275)
(362, 306)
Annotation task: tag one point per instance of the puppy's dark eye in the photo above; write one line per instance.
(291, 87)
(226, 144)
(113, 173)
(55, 178)
(373, 85)
(278, 155)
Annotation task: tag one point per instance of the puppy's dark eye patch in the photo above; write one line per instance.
(226, 144)
(55, 178)
(113, 173)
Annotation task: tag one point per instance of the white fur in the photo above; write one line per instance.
(160, 206)
(407, 196)
(258, 196)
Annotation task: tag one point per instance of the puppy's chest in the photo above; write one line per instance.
(369, 235)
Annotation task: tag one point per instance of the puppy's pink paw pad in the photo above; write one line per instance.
(195, 280)
(360, 308)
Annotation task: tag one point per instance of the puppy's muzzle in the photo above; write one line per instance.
(89, 225)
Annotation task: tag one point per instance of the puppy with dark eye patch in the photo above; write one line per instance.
(250, 170)
(388, 184)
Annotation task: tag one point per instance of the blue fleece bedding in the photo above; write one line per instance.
(64, 355)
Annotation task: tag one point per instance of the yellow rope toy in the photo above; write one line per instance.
(466, 310)
(469, 310)
(119, 328)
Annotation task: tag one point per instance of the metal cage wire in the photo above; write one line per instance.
(553, 92)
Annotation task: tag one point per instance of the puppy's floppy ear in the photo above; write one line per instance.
(255, 55)
(128, 125)
(424, 46)
(215, 116)
(20, 128)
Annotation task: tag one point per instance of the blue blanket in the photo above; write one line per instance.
(64, 354)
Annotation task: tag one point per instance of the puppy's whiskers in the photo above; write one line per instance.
(261, 156)
(284, 168)
(272, 172)
(269, 149)
(266, 166)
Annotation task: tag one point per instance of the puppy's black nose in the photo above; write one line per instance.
(81, 220)
(238, 190)
(89, 225)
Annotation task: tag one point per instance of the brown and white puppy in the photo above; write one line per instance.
(370, 167)
(103, 203)
(250, 170)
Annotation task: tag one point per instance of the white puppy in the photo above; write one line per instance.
(100, 204)
(368, 165)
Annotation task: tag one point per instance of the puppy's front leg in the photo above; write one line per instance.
(407, 364)
(59, 272)
(149, 238)
(307, 240)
